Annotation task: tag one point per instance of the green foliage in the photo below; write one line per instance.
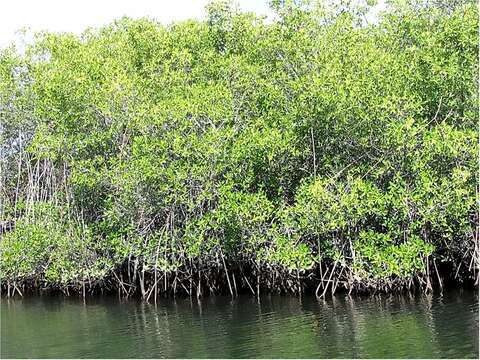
(50, 250)
(242, 143)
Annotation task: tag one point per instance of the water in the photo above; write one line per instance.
(276, 327)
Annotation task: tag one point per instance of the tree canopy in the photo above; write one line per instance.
(311, 151)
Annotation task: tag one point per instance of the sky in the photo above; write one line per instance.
(77, 15)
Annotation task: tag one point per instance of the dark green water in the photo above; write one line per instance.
(276, 327)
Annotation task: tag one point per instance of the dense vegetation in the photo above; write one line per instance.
(313, 152)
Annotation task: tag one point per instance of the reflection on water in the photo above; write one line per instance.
(220, 327)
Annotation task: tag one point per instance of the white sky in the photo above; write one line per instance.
(77, 15)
